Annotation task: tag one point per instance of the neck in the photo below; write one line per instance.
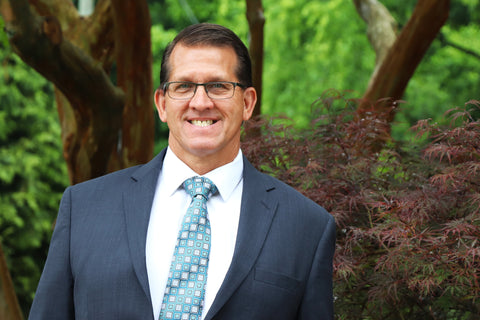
(205, 163)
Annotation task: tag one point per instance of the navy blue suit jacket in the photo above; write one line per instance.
(96, 266)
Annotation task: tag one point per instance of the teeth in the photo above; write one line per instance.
(203, 123)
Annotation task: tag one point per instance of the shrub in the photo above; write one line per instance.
(408, 216)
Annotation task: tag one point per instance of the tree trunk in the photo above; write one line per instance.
(256, 21)
(134, 76)
(381, 29)
(9, 307)
(402, 59)
(104, 127)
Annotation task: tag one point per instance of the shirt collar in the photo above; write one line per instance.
(226, 177)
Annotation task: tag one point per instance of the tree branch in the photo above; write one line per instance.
(40, 44)
(381, 26)
(64, 11)
(98, 34)
(94, 100)
(443, 39)
(402, 59)
(256, 21)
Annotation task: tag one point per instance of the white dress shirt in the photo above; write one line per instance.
(170, 205)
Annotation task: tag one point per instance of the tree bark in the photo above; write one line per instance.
(402, 59)
(134, 75)
(9, 307)
(104, 127)
(381, 29)
(256, 21)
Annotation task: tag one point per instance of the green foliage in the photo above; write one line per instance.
(408, 218)
(445, 76)
(33, 173)
(176, 15)
(3, 36)
(312, 46)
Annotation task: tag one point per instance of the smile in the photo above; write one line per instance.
(202, 123)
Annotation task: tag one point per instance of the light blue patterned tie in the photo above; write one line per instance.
(183, 298)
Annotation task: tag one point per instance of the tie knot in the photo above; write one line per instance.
(200, 186)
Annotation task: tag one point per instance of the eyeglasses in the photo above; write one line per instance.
(185, 90)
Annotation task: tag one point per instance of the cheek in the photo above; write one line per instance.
(170, 112)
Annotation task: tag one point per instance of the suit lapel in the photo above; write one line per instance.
(257, 211)
(138, 199)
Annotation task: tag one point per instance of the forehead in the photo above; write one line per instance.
(202, 61)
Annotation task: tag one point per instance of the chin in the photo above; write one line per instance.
(207, 149)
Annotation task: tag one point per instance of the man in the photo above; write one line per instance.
(270, 251)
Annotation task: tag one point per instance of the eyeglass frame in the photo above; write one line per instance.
(235, 84)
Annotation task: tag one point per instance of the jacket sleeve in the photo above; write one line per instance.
(54, 296)
(317, 302)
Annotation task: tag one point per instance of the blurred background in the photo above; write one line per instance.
(309, 47)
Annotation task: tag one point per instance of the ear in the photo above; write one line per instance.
(160, 104)
(249, 101)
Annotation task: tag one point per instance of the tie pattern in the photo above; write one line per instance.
(183, 298)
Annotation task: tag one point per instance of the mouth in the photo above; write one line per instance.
(202, 123)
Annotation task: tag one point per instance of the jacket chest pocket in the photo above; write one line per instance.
(276, 279)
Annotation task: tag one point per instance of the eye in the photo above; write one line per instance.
(182, 86)
(219, 86)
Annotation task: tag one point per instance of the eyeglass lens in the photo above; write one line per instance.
(215, 90)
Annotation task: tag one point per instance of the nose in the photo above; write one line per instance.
(201, 100)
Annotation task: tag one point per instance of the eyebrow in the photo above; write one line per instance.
(208, 77)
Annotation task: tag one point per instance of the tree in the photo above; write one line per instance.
(9, 307)
(313, 46)
(256, 21)
(381, 29)
(397, 60)
(33, 174)
(105, 126)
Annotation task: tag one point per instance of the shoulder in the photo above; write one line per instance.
(117, 178)
(289, 194)
(146, 174)
(287, 197)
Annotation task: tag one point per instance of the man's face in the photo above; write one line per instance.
(203, 129)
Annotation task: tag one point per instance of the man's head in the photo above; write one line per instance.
(205, 95)
(207, 34)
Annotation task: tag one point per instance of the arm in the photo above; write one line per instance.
(317, 302)
(54, 296)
